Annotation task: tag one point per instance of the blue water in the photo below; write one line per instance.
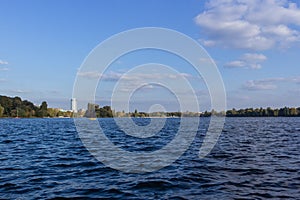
(255, 158)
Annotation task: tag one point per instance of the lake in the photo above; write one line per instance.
(254, 158)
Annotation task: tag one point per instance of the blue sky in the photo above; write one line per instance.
(255, 45)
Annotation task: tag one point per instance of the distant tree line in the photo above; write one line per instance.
(16, 107)
(144, 114)
(247, 112)
(256, 112)
(95, 111)
(264, 112)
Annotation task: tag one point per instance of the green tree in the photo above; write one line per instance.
(17, 102)
(52, 112)
(104, 112)
(286, 111)
(43, 110)
(44, 106)
(270, 111)
(1, 110)
(276, 112)
(293, 112)
(7, 103)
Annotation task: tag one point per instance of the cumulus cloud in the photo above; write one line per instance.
(15, 91)
(269, 83)
(3, 62)
(112, 76)
(245, 24)
(90, 75)
(248, 57)
(248, 60)
(257, 85)
(115, 76)
(18, 91)
(235, 64)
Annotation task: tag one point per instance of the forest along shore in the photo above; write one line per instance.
(11, 107)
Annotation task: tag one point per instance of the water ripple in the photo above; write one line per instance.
(255, 158)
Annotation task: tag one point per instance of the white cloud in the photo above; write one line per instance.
(269, 83)
(235, 64)
(89, 75)
(257, 85)
(248, 60)
(21, 91)
(256, 25)
(3, 62)
(15, 91)
(253, 57)
(131, 81)
(114, 76)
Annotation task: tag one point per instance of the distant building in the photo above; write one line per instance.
(74, 105)
(91, 110)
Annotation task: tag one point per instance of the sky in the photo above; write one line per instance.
(255, 45)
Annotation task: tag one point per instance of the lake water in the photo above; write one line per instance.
(254, 158)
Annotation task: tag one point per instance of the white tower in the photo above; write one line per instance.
(74, 105)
